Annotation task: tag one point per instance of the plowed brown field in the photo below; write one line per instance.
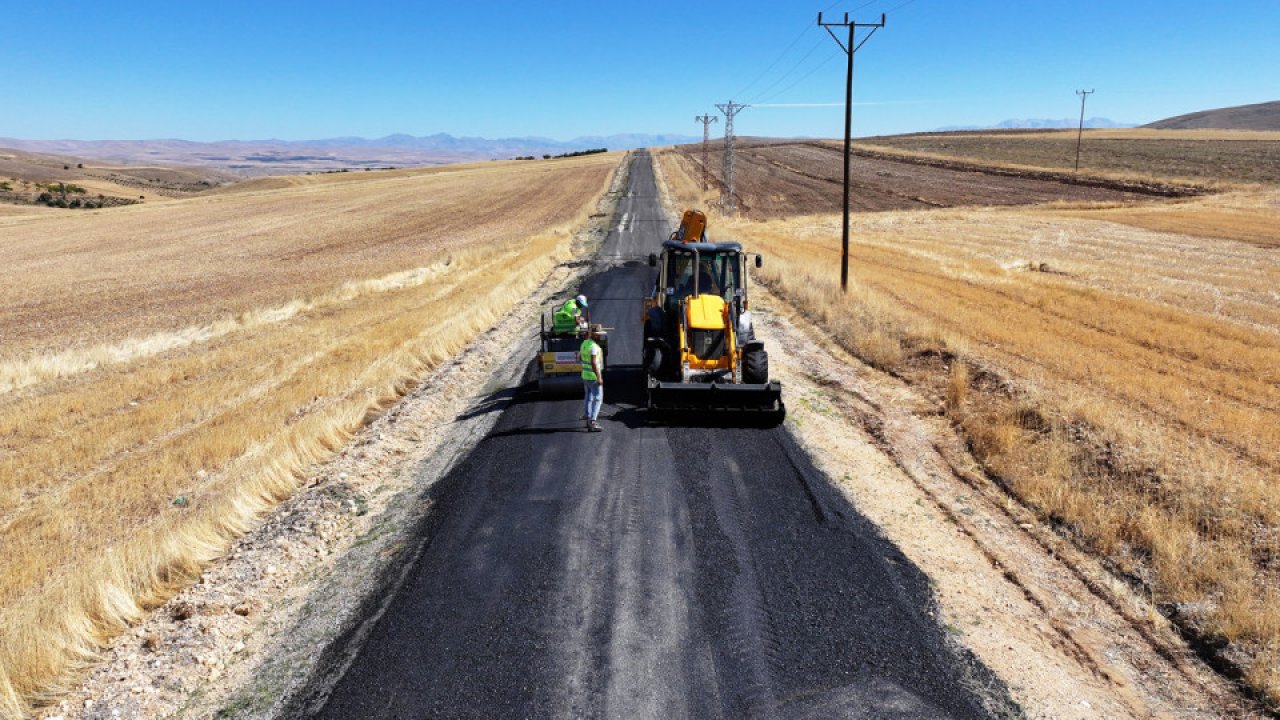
(781, 179)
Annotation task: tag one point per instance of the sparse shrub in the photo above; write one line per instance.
(958, 388)
(580, 153)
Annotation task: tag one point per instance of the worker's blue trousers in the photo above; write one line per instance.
(593, 398)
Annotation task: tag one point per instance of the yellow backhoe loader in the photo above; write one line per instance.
(700, 349)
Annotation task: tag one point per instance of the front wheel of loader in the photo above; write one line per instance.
(755, 366)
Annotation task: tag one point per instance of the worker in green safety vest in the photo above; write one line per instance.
(571, 316)
(592, 377)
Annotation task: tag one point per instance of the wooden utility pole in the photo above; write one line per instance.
(849, 50)
(1084, 95)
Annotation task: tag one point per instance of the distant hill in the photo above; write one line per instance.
(1262, 116)
(1041, 124)
(274, 157)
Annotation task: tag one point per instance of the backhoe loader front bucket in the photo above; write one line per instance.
(764, 399)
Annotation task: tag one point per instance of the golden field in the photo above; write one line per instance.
(1116, 366)
(169, 370)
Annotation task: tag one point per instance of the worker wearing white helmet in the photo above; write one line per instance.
(572, 316)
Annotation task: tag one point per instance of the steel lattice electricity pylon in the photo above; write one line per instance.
(726, 187)
(706, 121)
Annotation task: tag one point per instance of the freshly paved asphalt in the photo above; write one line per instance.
(651, 570)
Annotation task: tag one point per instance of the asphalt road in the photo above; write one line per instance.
(651, 570)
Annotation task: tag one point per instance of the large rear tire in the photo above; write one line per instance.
(755, 366)
(653, 359)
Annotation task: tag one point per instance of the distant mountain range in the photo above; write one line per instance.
(1261, 116)
(1042, 124)
(275, 156)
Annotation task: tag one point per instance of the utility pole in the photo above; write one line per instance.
(849, 50)
(1084, 95)
(726, 187)
(706, 121)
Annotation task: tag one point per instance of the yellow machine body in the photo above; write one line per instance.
(707, 340)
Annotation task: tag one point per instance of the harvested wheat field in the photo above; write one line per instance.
(1114, 364)
(169, 369)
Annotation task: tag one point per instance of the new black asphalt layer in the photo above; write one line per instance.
(654, 570)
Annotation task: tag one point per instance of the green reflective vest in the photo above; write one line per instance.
(566, 318)
(589, 348)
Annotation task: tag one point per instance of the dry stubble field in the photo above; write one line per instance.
(169, 370)
(1113, 362)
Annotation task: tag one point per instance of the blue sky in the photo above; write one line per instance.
(306, 70)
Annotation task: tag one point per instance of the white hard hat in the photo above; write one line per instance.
(582, 300)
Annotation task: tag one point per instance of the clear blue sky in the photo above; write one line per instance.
(305, 70)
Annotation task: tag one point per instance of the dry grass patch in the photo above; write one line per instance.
(1123, 382)
(1252, 217)
(232, 343)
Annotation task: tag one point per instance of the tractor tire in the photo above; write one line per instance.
(654, 327)
(653, 360)
(755, 366)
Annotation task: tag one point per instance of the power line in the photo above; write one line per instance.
(801, 79)
(814, 48)
(773, 64)
(761, 100)
(726, 186)
(706, 121)
(791, 45)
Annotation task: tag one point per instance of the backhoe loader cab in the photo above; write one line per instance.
(700, 351)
